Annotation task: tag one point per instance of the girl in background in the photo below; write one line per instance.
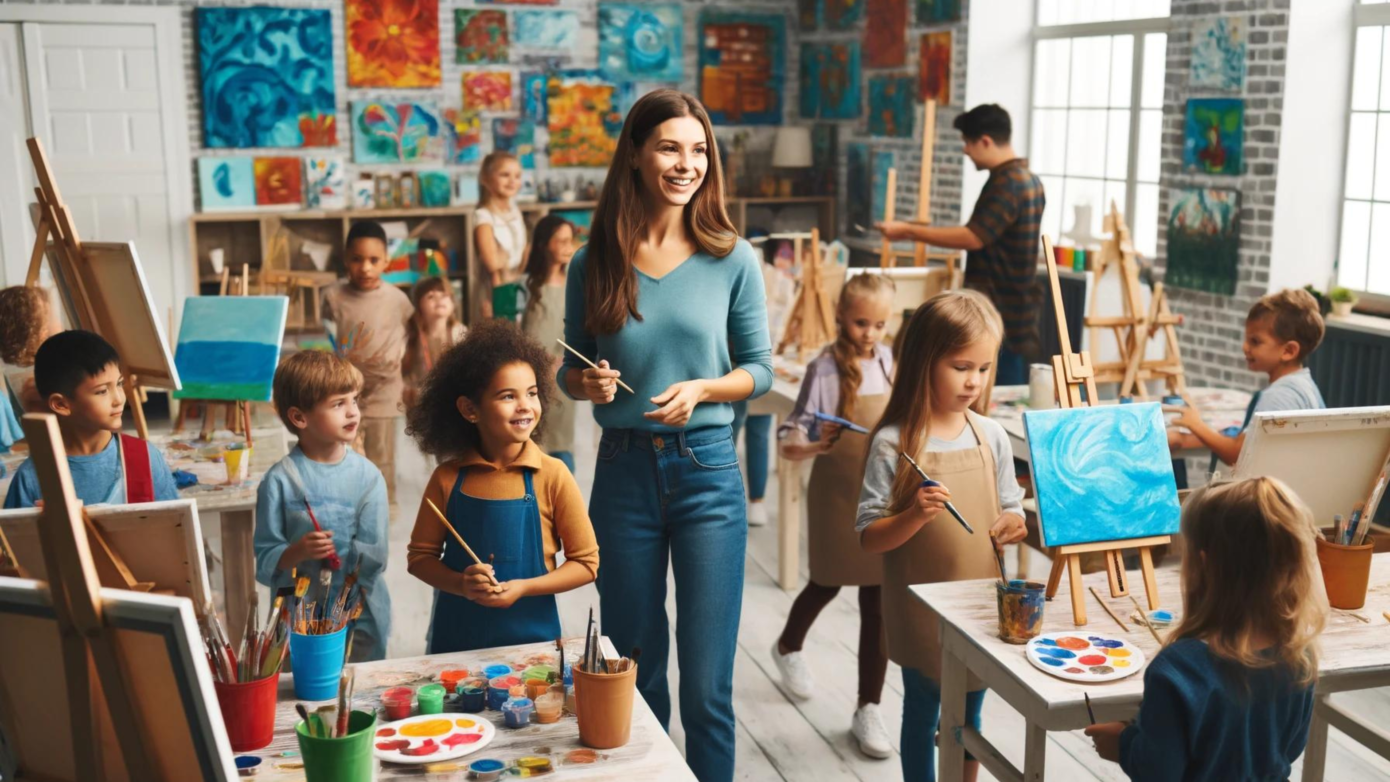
(433, 330)
(552, 247)
(500, 232)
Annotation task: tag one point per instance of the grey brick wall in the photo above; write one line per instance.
(1211, 338)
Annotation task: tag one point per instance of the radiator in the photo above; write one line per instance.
(1352, 367)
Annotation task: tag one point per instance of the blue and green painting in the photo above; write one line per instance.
(229, 346)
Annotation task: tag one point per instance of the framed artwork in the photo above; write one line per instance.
(279, 181)
(463, 134)
(436, 189)
(830, 79)
(741, 66)
(891, 106)
(1218, 53)
(487, 90)
(640, 42)
(938, 11)
(517, 136)
(544, 28)
(480, 36)
(534, 87)
(1204, 240)
(226, 183)
(859, 189)
(325, 183)
(583, 118)
(392, 43)
(885, 39)
(934, 68)
(841, 14)
(229, 346)
(394, 132)
(1214, 135)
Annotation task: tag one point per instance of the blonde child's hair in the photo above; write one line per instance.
(1251, 568)
(846, 354)
(307, 378)
(947, 323)
(1294, 316)
(493, 159)
(24, 325)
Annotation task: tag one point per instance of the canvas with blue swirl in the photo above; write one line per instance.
(1102, 473)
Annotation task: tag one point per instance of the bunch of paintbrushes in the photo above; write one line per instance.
(1351, 532)
(328, 613)
(331, 721)
(594, 661)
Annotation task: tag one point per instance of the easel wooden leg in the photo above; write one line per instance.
(1078, 599)
(1146, 566)
(80, 704)
(1054, 579)
(132, 395)
(1115, 571)
(209, 421)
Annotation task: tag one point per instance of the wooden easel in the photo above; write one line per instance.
(920, 255)
(811, 323)
(1072, 372)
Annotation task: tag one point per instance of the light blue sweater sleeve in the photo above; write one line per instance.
(164, 486)
(271, 537)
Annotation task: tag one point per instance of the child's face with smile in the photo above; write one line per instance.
(508, 410)
(959, 378)
(334, 420)
(96, 403)
(436, 306)
(1264, 352)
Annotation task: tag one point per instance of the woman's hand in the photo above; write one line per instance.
(1106, 737)
(1008, 528)
(677, 403)
(601, 385)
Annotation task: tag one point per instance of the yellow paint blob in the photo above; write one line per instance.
(427, 729)
(1120, 663)
(1118, 652)
(465, 723)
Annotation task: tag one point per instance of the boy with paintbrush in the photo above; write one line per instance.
(323, 508)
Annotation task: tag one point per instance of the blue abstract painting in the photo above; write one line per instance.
(395, 132)
(436, 189)
(1218, 53)
(226, 183)
(229, 346)
(891, 105)
(517, 136)
(1102, 473)
(534, 96)
(1214, 136)
(640, 42)
(830, 79)
(267, 77)
(545, 29)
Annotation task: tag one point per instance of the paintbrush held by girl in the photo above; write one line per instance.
(481, 412)
(849, 380)
(1230, 696)
(951, 343)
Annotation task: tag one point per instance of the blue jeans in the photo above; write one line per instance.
(676, 495)
(567, 458)
(921, 715)
(1012, 369)
(756, 441)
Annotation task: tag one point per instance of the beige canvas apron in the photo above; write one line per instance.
(832, 502)
(941, 551)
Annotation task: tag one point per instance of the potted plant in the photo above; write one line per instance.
(1324, 303)
(1342, 301)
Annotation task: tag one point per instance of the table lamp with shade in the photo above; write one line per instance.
(791, 149)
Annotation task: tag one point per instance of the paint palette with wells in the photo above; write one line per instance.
(1085, 657)
(430, 738)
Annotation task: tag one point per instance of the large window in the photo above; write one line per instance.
(1363, 262)
(1097, 115)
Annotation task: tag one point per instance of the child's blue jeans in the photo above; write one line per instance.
(921, 716)
(756, 445)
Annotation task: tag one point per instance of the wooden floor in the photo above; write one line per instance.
(779, 739)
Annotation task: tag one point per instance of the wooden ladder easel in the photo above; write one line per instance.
(920, 255)
(811, 323)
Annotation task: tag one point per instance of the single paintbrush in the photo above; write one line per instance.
(445, 521)
(949, 507)
(585, 359)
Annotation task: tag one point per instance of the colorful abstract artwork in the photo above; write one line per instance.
(583, 119)
(581, 219)
(267, 76)
(640, 42)
(1213, 135)
(518, 2)
(487, 90)
(545, 29)
(1102, 473)
(394, 132)
(279, 181)
(463, 136)
(392, 43)
(885, 42)
(1204, 240)
(1218, 53)
(325, 183)
(534, 87)
(859, 188)
(841, 14)
(938, 11)
(891, 105)
(229, 346)
(830, 79)
(934, 69)
(226, 183)
(741, 73)
(436, 189)
(480, 36)
(517, 136)
(402, 262)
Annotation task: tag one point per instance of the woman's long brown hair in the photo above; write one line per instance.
(620, 219)
(846, 353)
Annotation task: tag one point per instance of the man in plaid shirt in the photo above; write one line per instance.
(1002, 237)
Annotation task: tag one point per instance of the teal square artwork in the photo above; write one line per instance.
(1102, 473)
(640, 42)
(517, 136)
(229, 346)
(436, 189)
(226, 183)
(891, 105)
(830, 79)
(742, 66)
(1213, 135)
(938, 11)
(534, 96)
(395, 132)
(545, 29)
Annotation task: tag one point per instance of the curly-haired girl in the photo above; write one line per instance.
(478, 411)
(27, 321)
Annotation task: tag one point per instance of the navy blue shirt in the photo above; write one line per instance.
(1198, 723)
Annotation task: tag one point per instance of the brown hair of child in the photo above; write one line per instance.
(415, 336)
(845, 352)
(25, 324)
(308, 377)
(1293, 316)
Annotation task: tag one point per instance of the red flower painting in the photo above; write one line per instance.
(319, 130)
(278, 181)
(393, 43)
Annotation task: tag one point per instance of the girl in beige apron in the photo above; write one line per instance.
(949, 347)
(832, 498)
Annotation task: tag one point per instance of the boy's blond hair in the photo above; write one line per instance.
(1293, 316)
(309, 377)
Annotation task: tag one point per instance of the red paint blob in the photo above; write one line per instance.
(428, 748)
(1092, 659)
(398, 745)
(1073, 643)
(462, 738)
(385, 732)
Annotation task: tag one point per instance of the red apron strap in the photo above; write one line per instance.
(139, 478)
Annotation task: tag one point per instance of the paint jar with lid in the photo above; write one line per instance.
(517, 712)
(431, 698)
(548, 707)
(397, 701)
(486, 770)
(472, 695)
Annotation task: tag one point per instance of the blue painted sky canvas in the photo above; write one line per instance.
(640, 42)
(1102, 473)
(229, 346)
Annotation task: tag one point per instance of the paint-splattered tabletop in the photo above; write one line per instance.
(648, 755)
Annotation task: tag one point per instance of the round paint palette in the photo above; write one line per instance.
(430, 738)
(1085, 657)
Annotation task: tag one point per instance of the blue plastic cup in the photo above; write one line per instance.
(318, 663)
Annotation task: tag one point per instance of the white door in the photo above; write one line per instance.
(16, 174)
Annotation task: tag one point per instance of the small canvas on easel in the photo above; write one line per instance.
(229, 346)
(1102, 473)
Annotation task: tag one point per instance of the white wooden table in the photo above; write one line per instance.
(778, 402)
(648, 755)
(1353, 657)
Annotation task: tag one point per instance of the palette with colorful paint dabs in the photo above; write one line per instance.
(1084, 657)
(430, 738)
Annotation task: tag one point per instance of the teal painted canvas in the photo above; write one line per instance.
(938, 11)
(435, 188)
(545, 29)
(1218, 53)
(1204, 240)
(1214, 136)
(830, 79)
(395, 132)
(1102, 473)
(640, 42)
(517, 136)
(891, 105)
(229, 346)
(226, 183)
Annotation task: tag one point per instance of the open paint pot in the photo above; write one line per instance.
(1020, 610)
(248, 711)
(1346, 571)
(318, 662)
(396, 701)
(541, 672)
(495, 670)
(535, 688)
(472, 695)
(486, 769)
(548, 708)
(431, 698)
(603, 703)
(517, 712)
(499, 690)
(451, 679)
(347, 759)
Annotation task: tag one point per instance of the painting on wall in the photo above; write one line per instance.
(463, 136)
(830, 79)
(859, 188)
(825, 147)
(267, 77)
(229, 346)
(891, 105)
(581, 219)
(533, 96)
(640, 42)
(938, 11)
(392, 43)
(480, 36)
(884, 160)
(487, 90)
(517, 136)
(1214, 135)
(1102, 473)
(1204, 240)
(394, 132)
(226, 183)
(325, 183)
(885, 43)
(1218, 53)
(435, 188)
(279, 181)
(741, 56)
(583, 118)
(545, 29)
(518, 2)
(841, 14)
(934, 69)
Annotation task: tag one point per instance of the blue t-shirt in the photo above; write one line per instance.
(1200, 723)
(96, 479)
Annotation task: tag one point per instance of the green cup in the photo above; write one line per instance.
(431, 698)
(348, 759)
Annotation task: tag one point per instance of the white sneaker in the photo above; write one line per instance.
(868, 731)
(796, 674)
(757, 514)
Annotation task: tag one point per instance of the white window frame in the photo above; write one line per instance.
(1139, 29)
(1363, 15)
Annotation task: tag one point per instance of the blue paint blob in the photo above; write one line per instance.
(486, 766)
(1053, 661)
(1107, 644)
(247, 762)
(1061, 654)
(1045, 642)
(1162, 616)
(493, 671)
